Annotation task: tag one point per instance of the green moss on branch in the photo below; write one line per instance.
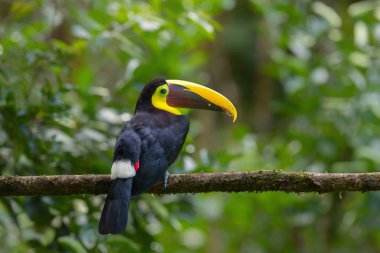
(259, 181)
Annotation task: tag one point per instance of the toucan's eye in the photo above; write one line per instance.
(163, 91)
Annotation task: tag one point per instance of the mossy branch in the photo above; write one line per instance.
(259, 181)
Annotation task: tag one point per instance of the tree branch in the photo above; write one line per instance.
(259, 181)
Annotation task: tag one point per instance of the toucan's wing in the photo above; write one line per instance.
(126, 153)
(127, 144)
(114, 217)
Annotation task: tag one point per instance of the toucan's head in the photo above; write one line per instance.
(174, 95)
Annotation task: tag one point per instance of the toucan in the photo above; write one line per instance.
(151, 141)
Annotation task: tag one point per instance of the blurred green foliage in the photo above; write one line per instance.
(70, 74)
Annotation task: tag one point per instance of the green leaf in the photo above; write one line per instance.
(120, 243)
(72, 244)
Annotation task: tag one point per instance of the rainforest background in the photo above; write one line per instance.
(304, 75)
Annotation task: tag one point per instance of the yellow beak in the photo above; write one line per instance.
(183, 94)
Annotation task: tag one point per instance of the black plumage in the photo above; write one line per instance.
(151, 141)
(162, 136)
(154, 138)
(114, 216)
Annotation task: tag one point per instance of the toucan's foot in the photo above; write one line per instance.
(166, 178)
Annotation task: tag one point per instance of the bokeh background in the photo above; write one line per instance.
(304, 75)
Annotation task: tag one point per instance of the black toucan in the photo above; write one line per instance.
(151, 141)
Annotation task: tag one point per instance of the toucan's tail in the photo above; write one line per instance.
(114, 217)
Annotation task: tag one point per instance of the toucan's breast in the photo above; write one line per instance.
(162, 137)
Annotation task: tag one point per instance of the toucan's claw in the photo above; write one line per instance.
(166, 178)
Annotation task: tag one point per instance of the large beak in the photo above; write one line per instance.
(183, 94)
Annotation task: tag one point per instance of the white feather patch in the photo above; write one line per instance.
(122, 169)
